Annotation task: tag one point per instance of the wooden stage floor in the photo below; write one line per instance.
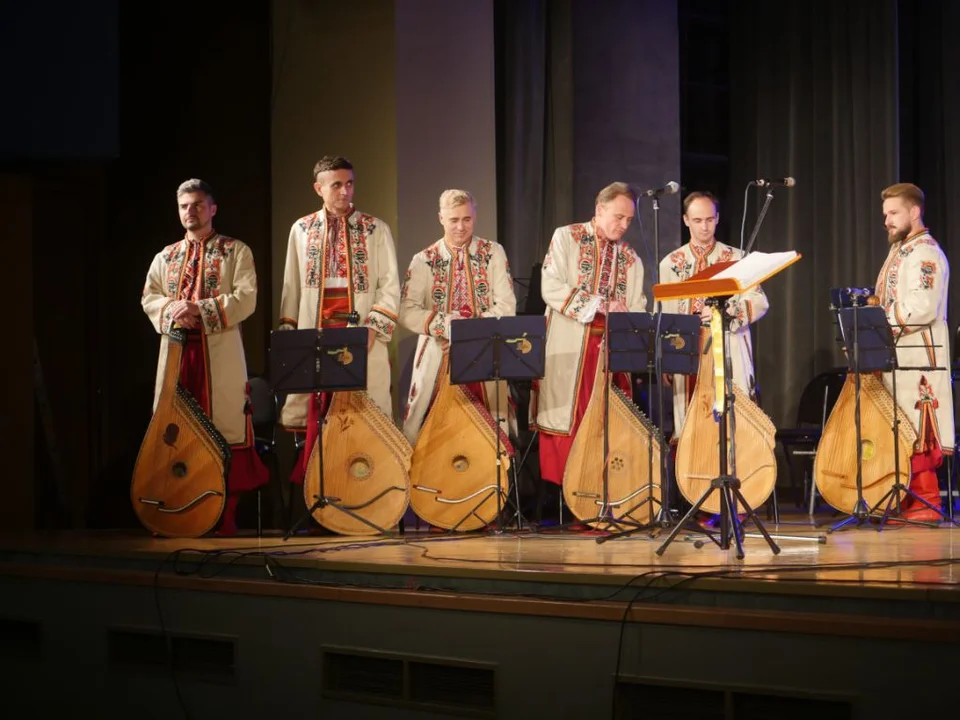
(908, 563)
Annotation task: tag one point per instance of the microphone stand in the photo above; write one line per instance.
(663, 516)
(756, 228)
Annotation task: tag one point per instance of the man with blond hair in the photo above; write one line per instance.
(589, 271)
(912, 288)
(458, 276)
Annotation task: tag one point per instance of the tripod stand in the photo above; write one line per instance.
(865, 332)
(321, 360)
(496, 349)
(584, 488)
(726, 483)
(665, 343)
(892, 498)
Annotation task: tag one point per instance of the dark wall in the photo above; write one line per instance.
(58, 79)
(193, 101)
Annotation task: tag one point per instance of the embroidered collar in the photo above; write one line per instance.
(702, 250)
(203, 240)
(351, 217)
(453, 250)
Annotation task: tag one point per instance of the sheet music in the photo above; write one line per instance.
(756, 267)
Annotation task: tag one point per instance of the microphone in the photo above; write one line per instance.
(669, 189)
(770, 182)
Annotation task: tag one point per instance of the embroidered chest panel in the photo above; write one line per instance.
(352, 252)
(195, 272)
(478, 277)
(595, 274)
(889, 284)
(683, 266)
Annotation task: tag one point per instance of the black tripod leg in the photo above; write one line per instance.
(318, 504)
(728, 508)
(628, 533)
(684, 520)
(751, 513)
(890, 498)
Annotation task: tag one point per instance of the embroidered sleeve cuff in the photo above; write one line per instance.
(211, 315)
(582, 306)
(382, 321)
(166, 319)
(436, 325)
(741, 313)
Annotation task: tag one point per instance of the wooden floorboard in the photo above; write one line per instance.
(918, 562)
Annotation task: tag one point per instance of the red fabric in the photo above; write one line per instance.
(555, 449)
(335, 300)
(925, 461)
(247, 471)
(923, 480)
(193, 369)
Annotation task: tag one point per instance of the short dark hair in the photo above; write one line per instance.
(195, 185)
(330, 162)
(696, 195)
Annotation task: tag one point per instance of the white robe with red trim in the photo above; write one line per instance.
(229, 290)
(569, 281)
(912, 288)
(425, 310)
(744, 309)
(370, 267)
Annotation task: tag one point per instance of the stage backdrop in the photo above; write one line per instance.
(404, 89)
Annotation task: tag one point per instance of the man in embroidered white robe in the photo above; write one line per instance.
(207, 284)
(458, 276)
(339, 261)
(588, 271)
(912, 288)
(701, 215)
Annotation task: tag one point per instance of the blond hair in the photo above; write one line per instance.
(455, 198)
(908, 192)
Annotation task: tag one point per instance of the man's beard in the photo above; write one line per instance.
(899, 235)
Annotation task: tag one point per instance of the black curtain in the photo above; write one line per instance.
(814, 96)
(930, 118)
(534, 76)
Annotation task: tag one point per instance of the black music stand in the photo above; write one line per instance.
(310, 361)
(494, 349)
(866, 334)
(659, 343)
(891, 499)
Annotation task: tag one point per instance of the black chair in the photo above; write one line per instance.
(266, 414)
(800, 442)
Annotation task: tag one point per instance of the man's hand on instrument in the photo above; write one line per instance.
(706, 313)
(371, 338)
(666, 379)
(185, 313)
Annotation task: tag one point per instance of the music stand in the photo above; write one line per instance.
(495, 349)
(865, 332)
(718, 284)
(664, 343)
(320, 360)
(874, 339)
